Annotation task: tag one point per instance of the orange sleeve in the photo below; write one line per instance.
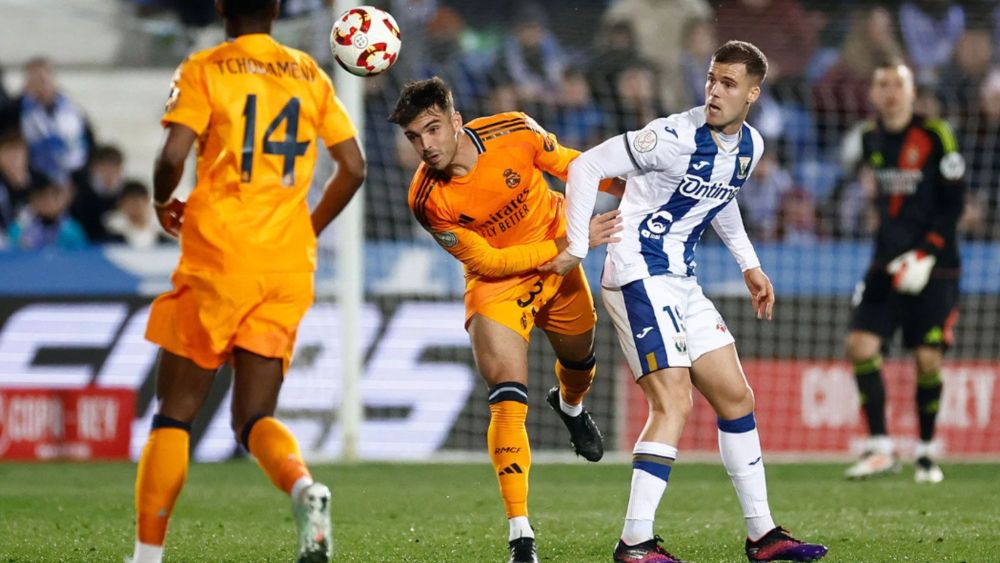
(335, 125)
(550, 156)
(188, 102)
(480, 258)
(471, 249)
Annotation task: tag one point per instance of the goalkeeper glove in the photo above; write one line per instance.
(911, 270)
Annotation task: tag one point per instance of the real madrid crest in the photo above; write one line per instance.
(511, 178)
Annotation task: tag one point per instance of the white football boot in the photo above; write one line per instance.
(927, 471)
(878, 459)
(312, 517)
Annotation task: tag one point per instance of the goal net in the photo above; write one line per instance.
(587, 72)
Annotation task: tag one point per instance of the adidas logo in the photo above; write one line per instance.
(510, 469)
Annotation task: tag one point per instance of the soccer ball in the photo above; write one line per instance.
(365, 41)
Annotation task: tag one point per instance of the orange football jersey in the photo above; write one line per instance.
(258, 108)
(501, 219)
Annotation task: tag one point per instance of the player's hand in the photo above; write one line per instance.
(561, 264)
(604, 227)
(911, 271)
(171, 216)
(761, 292)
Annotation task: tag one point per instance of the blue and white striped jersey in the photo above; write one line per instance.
(681, 179)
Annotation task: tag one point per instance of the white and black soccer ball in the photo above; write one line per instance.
(365, 41)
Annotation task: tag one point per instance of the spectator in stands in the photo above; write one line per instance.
(614, 42)
(931, 29)
(635, 102)
(927, 103)
(15, 178)
(981, 141)
(761, 197)
(840, 97)
(700, 42)
(659, 31)
(781, 28)
(856, 217)
(45, 223)
(97, 190)
(56, 130)
(798, 218)
(961, 81)
(577, 120)
(132, 221)
(532, 54)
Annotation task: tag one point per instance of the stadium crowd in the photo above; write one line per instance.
(585, 71)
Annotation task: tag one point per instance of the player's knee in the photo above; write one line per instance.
(861, 347)
(928, 360)
(670, 405)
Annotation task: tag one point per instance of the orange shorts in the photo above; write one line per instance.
(206, 315)
(559, 304)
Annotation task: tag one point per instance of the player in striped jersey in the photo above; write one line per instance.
(482, 194)
(684, 173)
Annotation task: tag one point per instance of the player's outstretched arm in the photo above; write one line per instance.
(340, 188)
(729, 226)
(607, 160)
(177, 142)
(481, 258)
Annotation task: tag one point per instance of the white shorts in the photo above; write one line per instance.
(664, 322)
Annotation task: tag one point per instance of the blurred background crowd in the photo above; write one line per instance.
(585, 70)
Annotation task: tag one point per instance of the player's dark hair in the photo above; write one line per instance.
(743, 52)
(421, 95)
(252, 9)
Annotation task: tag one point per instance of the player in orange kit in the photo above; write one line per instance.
(481, 192)
(248, 250)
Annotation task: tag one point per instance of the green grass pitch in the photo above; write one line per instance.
(438, 512)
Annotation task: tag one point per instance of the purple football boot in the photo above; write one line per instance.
(779, 545)
(646, 552)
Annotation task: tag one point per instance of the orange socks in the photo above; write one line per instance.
(276, 451)
(507, 439)
(575, 378)
(162, 470)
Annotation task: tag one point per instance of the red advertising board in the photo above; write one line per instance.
(812, 407)
(79, 424)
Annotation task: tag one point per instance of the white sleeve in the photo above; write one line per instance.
(655, 146)
(606, 160)
(729, 225)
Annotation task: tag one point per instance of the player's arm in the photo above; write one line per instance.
(177, 142)
(340, 137)
(646, 149)
(554, 158)
(728, 223)
(949, 193)
(483, 259)
(342, 184)
(186, 116)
